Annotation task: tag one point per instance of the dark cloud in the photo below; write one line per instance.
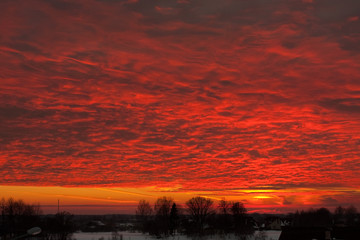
(329, 201)
(125, 135)
(333, 11)
(14, 112)
(346, 105)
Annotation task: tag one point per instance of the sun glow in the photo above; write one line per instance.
(262, 197)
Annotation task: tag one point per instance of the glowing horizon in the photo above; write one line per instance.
(104, 102)
(97, 200)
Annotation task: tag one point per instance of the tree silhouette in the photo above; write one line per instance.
(162, 210)
(224, 219)
(242, 223)
(17, 217)
(200, 209)
(60, 227)
(351, 216)
(144, 213)
(313, 218)
(174, 218)
(339, 212)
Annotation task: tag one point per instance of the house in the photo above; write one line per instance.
(273, 223)
(95, 226)
(276, 223)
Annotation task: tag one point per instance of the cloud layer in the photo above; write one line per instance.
(198, 94)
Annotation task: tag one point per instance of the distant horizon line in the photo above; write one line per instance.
(131, 209)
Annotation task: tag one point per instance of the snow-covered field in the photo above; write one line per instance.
(271, 235)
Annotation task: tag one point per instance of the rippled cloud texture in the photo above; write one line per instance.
(195, 95)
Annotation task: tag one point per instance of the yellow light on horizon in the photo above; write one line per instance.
(262, 197)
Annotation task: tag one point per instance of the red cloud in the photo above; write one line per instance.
(206, 96)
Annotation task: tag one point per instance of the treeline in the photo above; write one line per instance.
(200, 216)
(322, 217)
(17, 217)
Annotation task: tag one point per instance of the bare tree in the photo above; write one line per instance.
(200, 209)
(60, 227)
(163, 205)
(224, 219)
(242, 224)
(351, 215)
(238, 209)
(162, 210)
(144, 212)
(224, 207)
(17, 216)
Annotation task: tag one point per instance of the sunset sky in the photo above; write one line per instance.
(106, 102)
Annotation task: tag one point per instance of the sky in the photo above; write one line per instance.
(106, 102)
